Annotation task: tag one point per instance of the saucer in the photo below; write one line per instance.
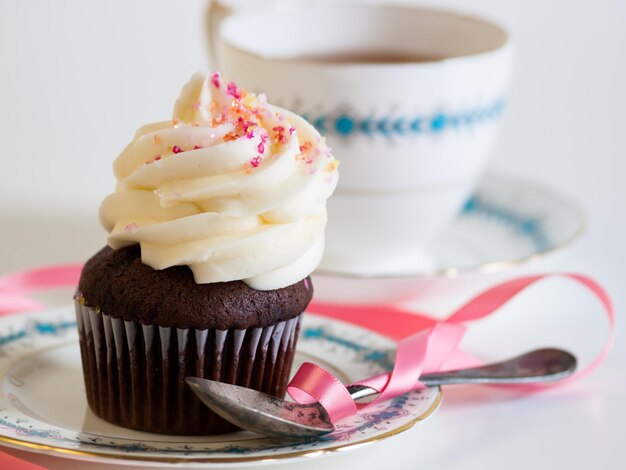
(43, 406)
(505, 222)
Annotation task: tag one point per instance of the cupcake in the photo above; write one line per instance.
(215, 224)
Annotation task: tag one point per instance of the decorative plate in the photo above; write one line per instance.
(43, 406)
(505, 222)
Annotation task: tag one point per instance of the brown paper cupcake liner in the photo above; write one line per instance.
(134, 373)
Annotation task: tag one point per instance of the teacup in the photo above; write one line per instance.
(408, 98)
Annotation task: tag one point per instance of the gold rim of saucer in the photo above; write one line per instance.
(80, 454)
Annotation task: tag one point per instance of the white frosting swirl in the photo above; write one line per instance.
(232, 187)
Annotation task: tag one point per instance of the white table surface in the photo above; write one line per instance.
(76, 79)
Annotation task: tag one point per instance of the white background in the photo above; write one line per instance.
(78, 77)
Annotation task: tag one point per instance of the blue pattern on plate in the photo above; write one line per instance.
(42, 328)
(526, 226)
(377, 356)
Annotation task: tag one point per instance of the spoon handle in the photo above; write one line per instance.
(541, 365)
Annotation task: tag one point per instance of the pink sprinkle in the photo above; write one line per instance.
(157, 158)
(176, 149)
(280, 133)
(248, 129)
(196, 147)
(215, 79)
(131, 228)
(306, 283)
(292, 130)
(261, 147)
(256, 161)
(233, 91)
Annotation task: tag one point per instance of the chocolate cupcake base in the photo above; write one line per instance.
(134, 373)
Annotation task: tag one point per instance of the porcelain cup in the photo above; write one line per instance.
(412, 134)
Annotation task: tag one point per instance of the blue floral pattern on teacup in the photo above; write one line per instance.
(347, 124)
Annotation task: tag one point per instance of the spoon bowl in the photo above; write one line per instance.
(260, 412)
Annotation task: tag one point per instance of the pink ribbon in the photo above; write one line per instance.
(428, 350)
(426, 344)
(10, 462)
(14, 286)
(425, 351)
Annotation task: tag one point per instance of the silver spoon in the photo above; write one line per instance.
(271, 416)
